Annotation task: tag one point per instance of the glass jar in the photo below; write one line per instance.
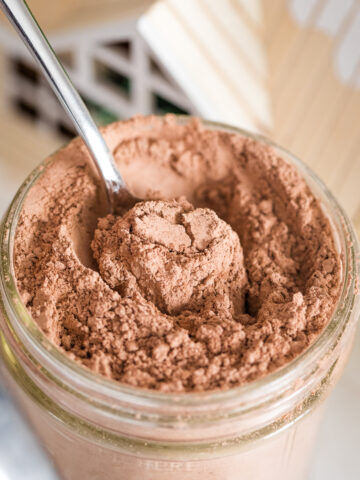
(95, 428)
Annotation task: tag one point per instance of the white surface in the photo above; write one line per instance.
(337, 455)
(15, 437)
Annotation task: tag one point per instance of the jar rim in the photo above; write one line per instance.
(76, 374)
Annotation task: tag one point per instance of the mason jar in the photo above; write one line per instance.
(95, 428)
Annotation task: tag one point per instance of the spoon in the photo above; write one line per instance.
(22, 19)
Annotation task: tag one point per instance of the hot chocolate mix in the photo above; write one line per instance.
(226, 272)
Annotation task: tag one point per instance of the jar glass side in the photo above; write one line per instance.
(216, 425)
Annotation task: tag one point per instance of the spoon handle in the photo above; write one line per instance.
(22, 19)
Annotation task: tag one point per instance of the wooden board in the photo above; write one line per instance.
(315, 114)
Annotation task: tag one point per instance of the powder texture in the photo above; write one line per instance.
(177, 257)
(173, 295)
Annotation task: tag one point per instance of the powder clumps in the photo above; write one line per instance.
(173, 295)
(177, 257)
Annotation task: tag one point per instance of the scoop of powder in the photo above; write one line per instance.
(176, 256)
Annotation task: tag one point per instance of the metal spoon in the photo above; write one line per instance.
(22, 19)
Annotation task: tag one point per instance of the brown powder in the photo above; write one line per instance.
(173, 296)
(177, 257)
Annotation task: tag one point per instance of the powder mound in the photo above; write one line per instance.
(178, 296)
(177, 256)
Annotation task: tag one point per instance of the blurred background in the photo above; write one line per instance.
(289, 69)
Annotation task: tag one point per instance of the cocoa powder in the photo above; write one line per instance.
(226, 275)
